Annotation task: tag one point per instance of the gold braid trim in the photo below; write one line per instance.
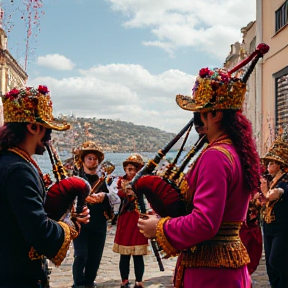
(69, 234)
(225, 250)
(167, 248)
(224, 151)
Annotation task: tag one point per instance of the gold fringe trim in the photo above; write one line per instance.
(225, 250)
(167, 248)
(69, 234)
(131, 250)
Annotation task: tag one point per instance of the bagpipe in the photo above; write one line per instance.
(62, 195)
(163, 192)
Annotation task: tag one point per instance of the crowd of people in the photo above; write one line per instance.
(217, 236)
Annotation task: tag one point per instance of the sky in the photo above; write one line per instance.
(123, 59)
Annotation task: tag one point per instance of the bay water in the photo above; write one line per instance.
(116, 158)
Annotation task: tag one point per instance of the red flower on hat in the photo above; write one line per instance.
(224, 78)
(12, 94)
(204, 72)
(43, 89)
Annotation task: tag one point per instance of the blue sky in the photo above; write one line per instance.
(124, 59)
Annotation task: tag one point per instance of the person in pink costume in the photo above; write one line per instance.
(217, 190)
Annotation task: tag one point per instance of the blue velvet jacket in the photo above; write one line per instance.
(23, 223)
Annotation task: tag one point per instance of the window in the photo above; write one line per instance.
(281, 16)
(281, 81)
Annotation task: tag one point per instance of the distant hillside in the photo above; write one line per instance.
(112, 135)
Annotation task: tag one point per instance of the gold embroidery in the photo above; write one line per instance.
(167, 248)
(69, 235)
(224, 151)
(130, 250)
(224, 250)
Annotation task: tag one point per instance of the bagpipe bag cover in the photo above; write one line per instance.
(61, 195)
(164, 199)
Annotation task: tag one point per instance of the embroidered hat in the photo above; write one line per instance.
(91, 147)
(279, 149)
(217, 89)
(134, 159)
(31, 105)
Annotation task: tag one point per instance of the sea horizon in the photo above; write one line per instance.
(115, 157)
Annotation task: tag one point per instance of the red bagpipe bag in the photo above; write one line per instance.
(164, 197)
(251, 234)
(61, 196)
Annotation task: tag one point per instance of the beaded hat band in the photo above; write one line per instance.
(31, 105)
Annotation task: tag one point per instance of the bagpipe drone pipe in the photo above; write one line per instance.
(62, 194)
(163, 192)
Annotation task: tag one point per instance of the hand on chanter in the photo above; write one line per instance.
(84, 216)
(95, 198)
(147, 225)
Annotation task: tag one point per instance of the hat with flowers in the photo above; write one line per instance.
(278, 150)
(32, 105)
(217, 89)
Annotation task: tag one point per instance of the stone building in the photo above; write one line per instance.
(11, 73)
(266, 103)
(272, 20)
(238, 53)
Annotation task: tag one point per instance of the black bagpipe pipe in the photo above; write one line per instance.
(62, 195)
(162, 192)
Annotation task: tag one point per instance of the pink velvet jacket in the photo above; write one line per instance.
(216, 186)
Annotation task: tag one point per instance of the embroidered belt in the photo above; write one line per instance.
(225, 250)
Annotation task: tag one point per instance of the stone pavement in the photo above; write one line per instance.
(109, 276)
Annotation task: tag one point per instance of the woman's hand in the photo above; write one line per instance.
(95, 198)
(147, 225)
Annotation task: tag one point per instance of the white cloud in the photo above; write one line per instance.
(209, 26)
(126, 92)
(55, 61)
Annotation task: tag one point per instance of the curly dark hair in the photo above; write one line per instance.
(12, 134)
(239, 130)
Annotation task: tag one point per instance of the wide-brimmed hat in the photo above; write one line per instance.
(134, 159)
(31, 105)
(91, 147)
(218, 89)
(214, 89)
(278, 151)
